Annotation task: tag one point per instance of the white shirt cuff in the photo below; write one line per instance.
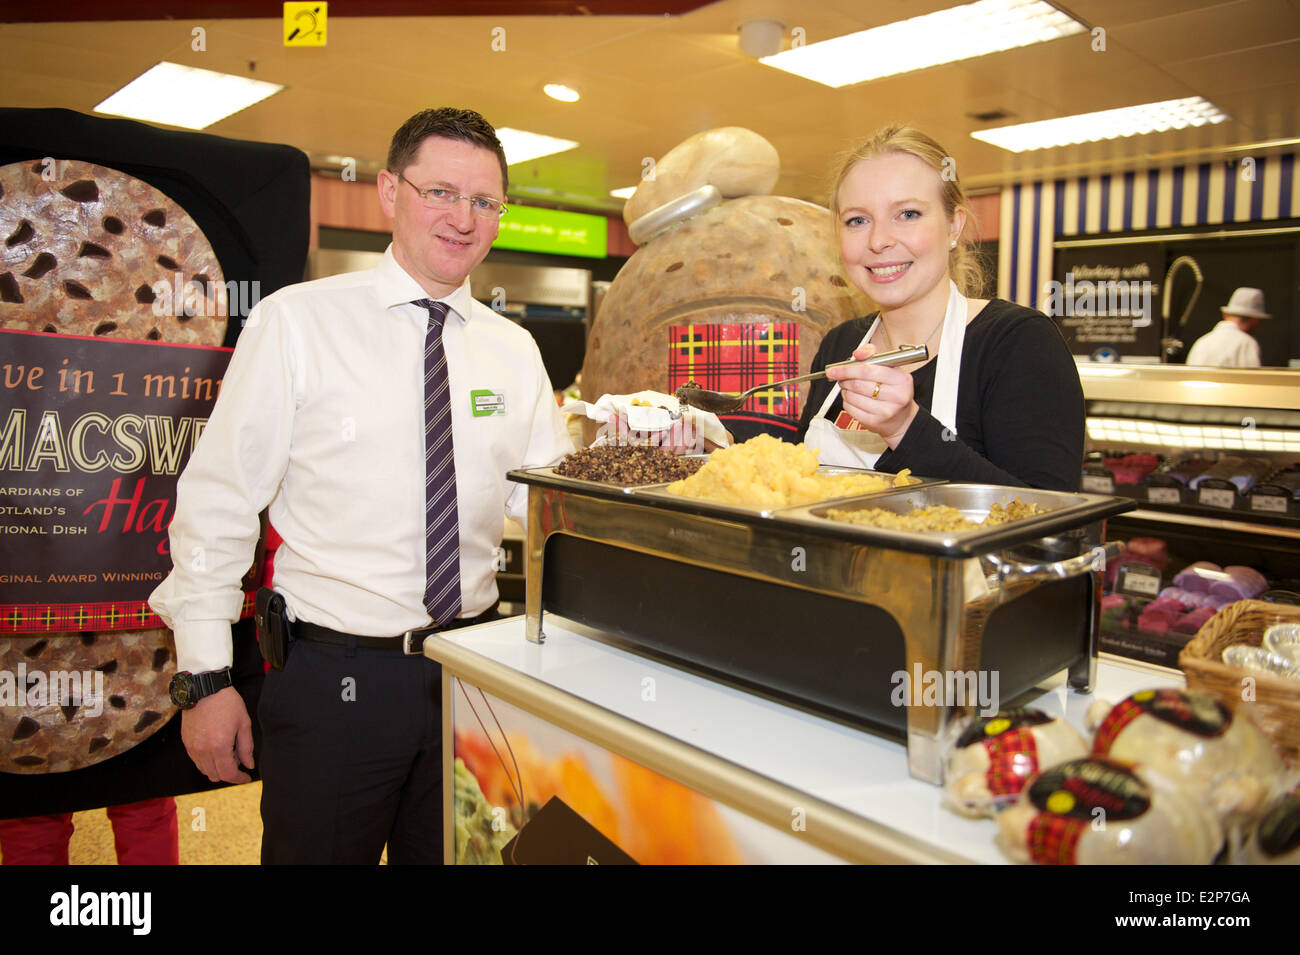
(203, 645)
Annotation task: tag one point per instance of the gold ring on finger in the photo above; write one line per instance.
(876, 393)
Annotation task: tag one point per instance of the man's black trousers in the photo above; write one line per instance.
(351, 758)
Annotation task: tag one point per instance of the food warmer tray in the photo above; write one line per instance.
(659, 491)
(825, 614)
(974, 501)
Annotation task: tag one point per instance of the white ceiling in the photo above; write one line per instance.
(649, 82)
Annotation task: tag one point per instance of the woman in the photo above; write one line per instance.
(999, 401)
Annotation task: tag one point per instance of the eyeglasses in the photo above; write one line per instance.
(435, 197)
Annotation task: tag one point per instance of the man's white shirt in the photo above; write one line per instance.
(1225, 346)
(321, 415)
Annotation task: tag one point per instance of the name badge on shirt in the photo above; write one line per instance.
(485, 403)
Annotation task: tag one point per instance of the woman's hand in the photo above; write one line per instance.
(878, 397)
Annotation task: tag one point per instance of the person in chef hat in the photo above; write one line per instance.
(1231, 343)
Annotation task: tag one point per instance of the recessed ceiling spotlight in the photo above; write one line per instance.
(759, 38)
(185, 96)
(561, 92)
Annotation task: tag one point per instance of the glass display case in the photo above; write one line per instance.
(1212, 456)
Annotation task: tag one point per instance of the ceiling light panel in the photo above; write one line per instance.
(521, 145)
(945, 36)
(1105, 124)
(185, 96)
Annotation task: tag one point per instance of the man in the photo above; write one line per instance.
(334, 394)
(1230, 343)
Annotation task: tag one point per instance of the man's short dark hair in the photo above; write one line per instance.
(446, 122)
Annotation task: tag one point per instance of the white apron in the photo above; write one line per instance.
(841, 447)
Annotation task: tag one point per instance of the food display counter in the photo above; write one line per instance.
(799, 664)
(822, 611)
(757, 779)
(1211, 456)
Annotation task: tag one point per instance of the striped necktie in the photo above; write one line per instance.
(441, 520)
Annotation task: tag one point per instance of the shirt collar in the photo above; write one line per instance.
(396, 287)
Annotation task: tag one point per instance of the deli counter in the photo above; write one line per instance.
(1211, 457)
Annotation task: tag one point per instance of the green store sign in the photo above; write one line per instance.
(530, 229)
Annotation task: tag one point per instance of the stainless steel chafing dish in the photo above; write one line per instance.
(824, 613)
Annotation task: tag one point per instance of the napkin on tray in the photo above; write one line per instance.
(649, 411)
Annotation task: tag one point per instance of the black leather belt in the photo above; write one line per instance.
(410, 643)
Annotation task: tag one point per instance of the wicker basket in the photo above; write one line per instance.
(1276, 707)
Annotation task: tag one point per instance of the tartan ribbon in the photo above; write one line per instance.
(1053, 839)
(1124, 713)
(1013, 758)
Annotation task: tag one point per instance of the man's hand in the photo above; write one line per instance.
(215, 732)
(681, 438)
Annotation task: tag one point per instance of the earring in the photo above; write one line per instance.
(954, 244)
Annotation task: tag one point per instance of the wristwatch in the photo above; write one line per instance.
(187, 688)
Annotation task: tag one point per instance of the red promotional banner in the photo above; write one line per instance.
(93, 436)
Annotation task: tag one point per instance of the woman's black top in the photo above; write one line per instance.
(1020, 413)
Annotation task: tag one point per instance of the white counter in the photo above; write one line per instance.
(859, 772)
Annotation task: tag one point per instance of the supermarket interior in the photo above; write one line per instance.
(826, 432)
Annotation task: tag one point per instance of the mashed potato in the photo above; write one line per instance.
(767, 472)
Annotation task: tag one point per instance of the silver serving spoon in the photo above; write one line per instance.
(720, 402)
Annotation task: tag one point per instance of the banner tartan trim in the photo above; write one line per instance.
(76, 617)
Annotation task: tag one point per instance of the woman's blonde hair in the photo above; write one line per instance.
(963, 261)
